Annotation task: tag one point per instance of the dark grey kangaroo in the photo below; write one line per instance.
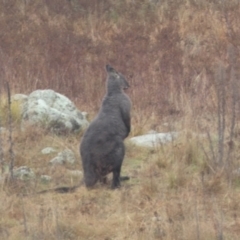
(102, 148)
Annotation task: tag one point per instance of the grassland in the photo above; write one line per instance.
(181, 59)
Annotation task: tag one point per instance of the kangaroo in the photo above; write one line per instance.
(102, 148)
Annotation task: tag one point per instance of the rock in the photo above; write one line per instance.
(66, 156)
(45, 178)
(19, 97)
(153, 139)
(53, 111)
(48, 150)
(23, 173)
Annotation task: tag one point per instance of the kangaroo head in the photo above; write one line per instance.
(116, 78)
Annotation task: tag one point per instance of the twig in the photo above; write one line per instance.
(211, 147)
(12, 157)
(58, 231)
(233, 120)
(24, 218)
(207, 159)
(197, 221)
(1, 144)
(221, 97)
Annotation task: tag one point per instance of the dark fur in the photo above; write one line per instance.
(102, 148)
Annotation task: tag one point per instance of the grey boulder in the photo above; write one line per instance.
(66, 156)
(153, 139)
(53, 111)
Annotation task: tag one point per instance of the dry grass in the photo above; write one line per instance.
(172, 194)
(169, 53)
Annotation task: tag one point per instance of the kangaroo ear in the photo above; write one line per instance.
(110, 69)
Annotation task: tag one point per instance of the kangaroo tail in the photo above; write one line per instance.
(124, 178)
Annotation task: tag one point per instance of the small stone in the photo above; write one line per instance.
(48, 150)
(24, 173)
(45, 178)
(66, 156)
